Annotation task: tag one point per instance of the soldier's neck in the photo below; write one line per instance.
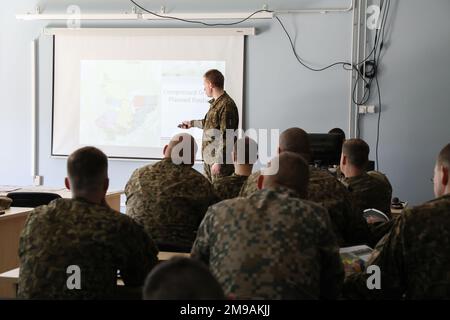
(243, 169)
(351, 172)
(217, 93)
(91, 198)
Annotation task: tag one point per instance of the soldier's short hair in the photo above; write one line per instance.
(215, 77)
(444, 156)
(337, 131)
(293, 173)
(245, 150)
(357, 152)
(182, 279)
(295, 140)
(87, 168)
(340, 133)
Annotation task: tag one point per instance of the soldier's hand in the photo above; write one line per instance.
(215, 169)
(185, 125)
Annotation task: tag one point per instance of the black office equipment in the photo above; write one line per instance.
(31, 199)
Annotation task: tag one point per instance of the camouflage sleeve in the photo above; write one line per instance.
(332, 272)
(142, 254)
(388, 256)
(131, 187)
(228, 119)
(201, 247)
(198, 123)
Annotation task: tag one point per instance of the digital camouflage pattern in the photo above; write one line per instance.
(228, 187)
(222, 115)
(272, 245)
(369, 191)
(169, 200)
(414, 257)
(94, 237)
(324, 189)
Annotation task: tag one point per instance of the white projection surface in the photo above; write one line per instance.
(126, 94)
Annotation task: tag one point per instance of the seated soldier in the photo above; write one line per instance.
(170, 198)
(274, 244)
(182, 279)
(324, 188)
(366, 190)
(414, 257)
(244, 156)
(73, 248)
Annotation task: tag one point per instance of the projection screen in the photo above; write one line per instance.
(126, 92)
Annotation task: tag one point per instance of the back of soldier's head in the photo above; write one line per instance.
(87, 169)
(215, 77)
(295, 140)
(444, 157)
(182, 149)
(182, 279)
(245, 151)
(357, 152)
(337, 131)
(292, 173)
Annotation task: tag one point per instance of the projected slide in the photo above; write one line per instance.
(126, 91)
(139, 103)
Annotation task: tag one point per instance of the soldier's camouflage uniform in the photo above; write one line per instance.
(222, 114)
(349, 227)
(228, 187)
(169, 200)
(272, 245)
(414, 257)
(368, 191)
(93, 237)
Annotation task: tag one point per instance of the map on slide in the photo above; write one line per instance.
(139, 103)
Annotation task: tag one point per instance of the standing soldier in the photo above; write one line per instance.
(222, 115)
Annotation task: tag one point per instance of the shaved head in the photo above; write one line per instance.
(181, 149)
(293, 173)
(444, 157)
(295, 140)
(441, 178)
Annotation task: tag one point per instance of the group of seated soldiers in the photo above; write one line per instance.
(274, 233)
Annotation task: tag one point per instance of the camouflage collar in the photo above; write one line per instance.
(286, 191)
(445, 197)
(213, 102)
(355, 178)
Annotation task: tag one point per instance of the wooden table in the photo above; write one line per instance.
(112, 197)
(11, 225)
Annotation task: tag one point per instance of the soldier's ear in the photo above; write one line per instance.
(165, 149)
(260, 182)
(444, 176)
(106, 186)
(67, 183)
